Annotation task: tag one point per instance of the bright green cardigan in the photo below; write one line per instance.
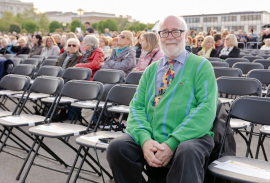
(186, 111)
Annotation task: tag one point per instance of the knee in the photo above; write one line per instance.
(187, 150)
(115, 150)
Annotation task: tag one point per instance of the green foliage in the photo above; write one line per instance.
(109, 23)
(31, 26)
(54, 25)
(150, 26)
(131, 28)
(94, 25)
(7, 19)
(59, 30)
(140, 27)
(74, 24)
(23, 31)
(14, 27)
(100, 27)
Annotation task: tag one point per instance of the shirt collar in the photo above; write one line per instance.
(180, 58)
(68, 54)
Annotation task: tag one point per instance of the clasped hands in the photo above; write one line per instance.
(156, 154)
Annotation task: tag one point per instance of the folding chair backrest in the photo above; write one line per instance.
(219, 64)
(9, 56)
(239, 86)
(16, 61)
(50, 71)
(264, 62)
(264, 56)
(134, 78)
(83, 90)
(52, 57)
(33, 61)
(41, 57)
(262, 75)
(47, 84)
(109, 76)
(15, 82)
(122, 94)
(253, 109)
(77, 73)
(231, 72)
(244, 54)
(214, 59)
(246, 67)
(232, 61)
(252, 58)
(50, 62)
(24, 69)
(23, 56)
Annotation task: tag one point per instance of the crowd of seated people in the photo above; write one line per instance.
(50, 48)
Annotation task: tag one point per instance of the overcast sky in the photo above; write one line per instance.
(152, 10)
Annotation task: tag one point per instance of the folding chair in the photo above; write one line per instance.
(52, 57)
(255, 110)
(17, 61)
(41, 57)
(264, 62)
(49, 62)
(219, 64)
(238, 87)
(9, 56)
(246, 67)
(232, 61)
(214, 59)
(264, 56)
(263, 76)
(80, 90)
(241, 55)
(23, 56)
(134, 77)
(252, 58)
(33, 61)
(231, 72)
(120, 94)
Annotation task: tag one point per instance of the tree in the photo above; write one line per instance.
(14, 27)
(7, 19)
(131, 28)
(32, 14)
(54, 25)
(140, 27)
(100, 26)
(94, 25)
(23, 31)
(111, 25)
(74, 24)
(31, 26)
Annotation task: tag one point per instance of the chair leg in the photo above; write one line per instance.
(245, 139)
(74, 164)
(26, 159)
(81, 165)
(258, 146)
(4, 142)
(263, 150)
(32, 161)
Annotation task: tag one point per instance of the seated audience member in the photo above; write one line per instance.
(170, 122)
(63, 41)
(38, 45)
(71, 57)
(224, 33)
(197, 46)
(93, 57)
(266, 35)
(5, 47)
(23, 48)
(189, 44)
(230, 50)
(107, 32)
(219, 44)
(13, 40)
(68, 36)
(267, 45)
(114, 42)
(152, 52)
(204, 33)
(123, 57)
(231, 31)
(251, 38)
(137, 45)
(104, 46)
(207, 48)
(50, 48)
(57, 39)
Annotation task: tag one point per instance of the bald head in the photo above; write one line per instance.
(171, 20)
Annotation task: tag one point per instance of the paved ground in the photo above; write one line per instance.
(10, 165)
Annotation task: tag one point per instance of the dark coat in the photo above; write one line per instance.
(71, 62)
(195, 50)
(18, 50)
(233, 54)
(212, 54)
(4, 51)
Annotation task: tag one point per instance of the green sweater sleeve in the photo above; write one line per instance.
(199, 121)
(138, 125)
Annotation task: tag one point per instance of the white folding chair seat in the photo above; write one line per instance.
(119, 109)
(21, 120)
(5, 113)
(265, 129)
(64, 100)
(9, 92)
(90, 104)
(239, 123)
(33, 96)
(226, 100)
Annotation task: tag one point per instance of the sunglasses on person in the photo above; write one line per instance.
(74, 45)
(122, 36)
(200, 40)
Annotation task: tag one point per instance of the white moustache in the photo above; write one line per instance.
(171, 41)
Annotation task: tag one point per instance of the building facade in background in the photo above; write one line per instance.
(14, 6)
(68, 17)
(231, 21)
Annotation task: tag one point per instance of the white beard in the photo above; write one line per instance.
(172, 50)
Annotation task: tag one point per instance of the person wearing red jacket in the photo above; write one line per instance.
(93, 57)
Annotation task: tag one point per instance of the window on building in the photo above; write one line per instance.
(192, 20)
(250, 17)
(252, 27)
(210, 19)
(218, 29)
(236, 28)
(228, 18)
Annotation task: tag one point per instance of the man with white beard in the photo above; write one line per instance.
(171, 116)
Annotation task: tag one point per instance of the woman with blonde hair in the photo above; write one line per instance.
(104, 46)
(198, 43)
(50, 48)
(231, 49)
(225, 32)
(137, 44)
(151, 51)
(23, 48)
(123, 57)
(267, 45)
(207, 49)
